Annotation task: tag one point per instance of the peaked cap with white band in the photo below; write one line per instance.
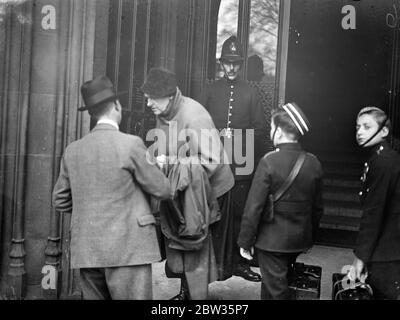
(298, 117)
(369, 109)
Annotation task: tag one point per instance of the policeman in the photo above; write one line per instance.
(235, 107)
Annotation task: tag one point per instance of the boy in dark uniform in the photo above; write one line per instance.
(280, 237)
(378, 243)
(235, 107)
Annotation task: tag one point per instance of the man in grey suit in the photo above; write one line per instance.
(105, 181)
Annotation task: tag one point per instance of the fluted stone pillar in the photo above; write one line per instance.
(16, 29)
(47, 53)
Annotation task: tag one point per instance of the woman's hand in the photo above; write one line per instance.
(161, 160)
(357, 270)
(247, 254)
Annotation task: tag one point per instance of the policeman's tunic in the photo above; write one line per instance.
(235, 105)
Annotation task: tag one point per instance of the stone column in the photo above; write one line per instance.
(75, 54)
(16, 29)
(47, 53)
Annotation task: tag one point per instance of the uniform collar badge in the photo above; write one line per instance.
(365, 171)
(379, 150)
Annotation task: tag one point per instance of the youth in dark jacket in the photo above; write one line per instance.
(296, 215)
(378, 244)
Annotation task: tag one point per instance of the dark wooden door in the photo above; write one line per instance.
(332, 72)
(132, 45)
(155, 33)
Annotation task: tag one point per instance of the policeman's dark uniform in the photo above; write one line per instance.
(235, 105)
(296, 216)
(378, 241)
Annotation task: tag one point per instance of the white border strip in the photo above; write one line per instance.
(299, 116)
(293, 118)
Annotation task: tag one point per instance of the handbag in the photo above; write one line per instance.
(305, 281)
(272, 198)
(351, 291)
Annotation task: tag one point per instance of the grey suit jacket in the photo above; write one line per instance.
(105, 180)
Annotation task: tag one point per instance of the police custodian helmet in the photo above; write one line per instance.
(231, 50)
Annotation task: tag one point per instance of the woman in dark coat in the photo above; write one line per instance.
(184, 124)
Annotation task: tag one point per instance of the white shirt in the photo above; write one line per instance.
(108, 121)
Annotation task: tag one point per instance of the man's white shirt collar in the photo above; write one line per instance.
(108, 121)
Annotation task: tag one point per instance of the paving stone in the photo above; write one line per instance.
(331, 259)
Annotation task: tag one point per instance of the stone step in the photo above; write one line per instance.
(321, 144)
(343, 176)
(343, 170)
(342, 180)
(341, 189)
(341, 195)
(342, 167)
(339, 182)
(339, 157)
(340, 223)
(336, 238)
(341, 208)
(328, 164)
